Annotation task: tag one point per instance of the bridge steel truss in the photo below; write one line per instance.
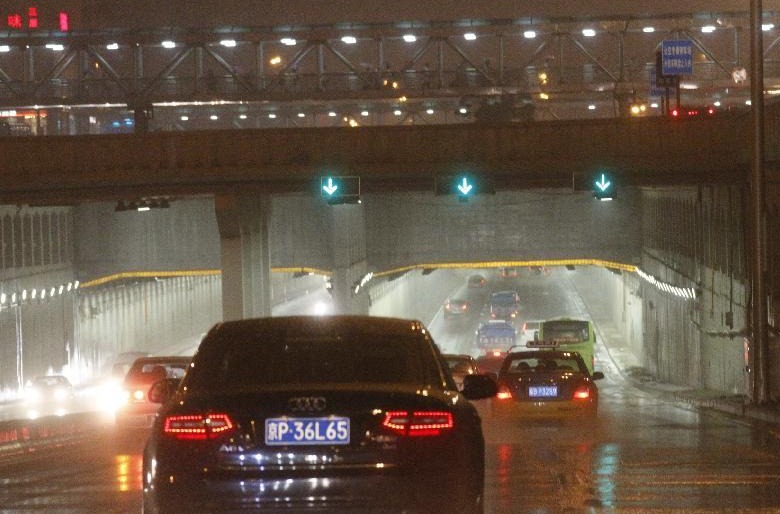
(317, 79)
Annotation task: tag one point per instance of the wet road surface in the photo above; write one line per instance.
(642, 455)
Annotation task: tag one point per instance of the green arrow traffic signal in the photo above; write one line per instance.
(464, 186)
(604, 187)
(337, 190)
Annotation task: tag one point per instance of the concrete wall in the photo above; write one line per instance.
(520, 225)
(414, 295)
(400, 230)
(695, 238)
(301, 232)
(182, 237)
(158, 316)
(612, 301)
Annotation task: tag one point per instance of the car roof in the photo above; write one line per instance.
(496, 323)
(340, 324)
(162, 359)
(462, 356)
(541, 354)
(50, 377)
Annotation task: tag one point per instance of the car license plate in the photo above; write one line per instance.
(542, 391)
(300, 431)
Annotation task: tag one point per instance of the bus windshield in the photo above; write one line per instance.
(566, 331)
(574, 335)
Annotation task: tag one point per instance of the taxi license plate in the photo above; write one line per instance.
(304, 431)
(542, 391)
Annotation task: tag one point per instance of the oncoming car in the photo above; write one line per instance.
(317, 414)
(49, 388)
(48, 394)
(546, 383)
(136, 411)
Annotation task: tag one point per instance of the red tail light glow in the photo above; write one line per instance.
(503, 393)
(582, 393)
(198, 427)
(418, 423)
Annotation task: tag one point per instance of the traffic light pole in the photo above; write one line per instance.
(759, 319)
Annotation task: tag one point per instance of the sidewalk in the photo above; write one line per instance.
(630, 369)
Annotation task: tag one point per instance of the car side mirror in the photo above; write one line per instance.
(479, 387)
(597, 375)
(162, 390)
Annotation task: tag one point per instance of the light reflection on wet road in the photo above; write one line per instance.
(642, 455)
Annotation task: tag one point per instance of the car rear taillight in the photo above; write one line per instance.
(418, 423)
(503, 393)
(198, 427)
(582, 393)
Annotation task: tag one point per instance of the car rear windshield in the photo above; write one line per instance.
(155, 370)
(503, 299)
(544, 363)
(309, 360)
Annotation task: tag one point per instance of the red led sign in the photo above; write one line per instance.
(32, 18)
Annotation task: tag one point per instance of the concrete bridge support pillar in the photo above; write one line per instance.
(246, 258)
(349, 258)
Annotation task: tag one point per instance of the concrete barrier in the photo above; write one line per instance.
(20, 435)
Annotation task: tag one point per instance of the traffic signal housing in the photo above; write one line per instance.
(464, 185)
(338, 190)
(603, 187)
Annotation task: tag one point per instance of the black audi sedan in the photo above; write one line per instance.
(317, 414)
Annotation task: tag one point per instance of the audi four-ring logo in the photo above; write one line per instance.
(307, 404)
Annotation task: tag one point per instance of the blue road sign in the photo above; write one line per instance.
(677, 57)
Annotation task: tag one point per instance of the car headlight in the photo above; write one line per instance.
(33, 395)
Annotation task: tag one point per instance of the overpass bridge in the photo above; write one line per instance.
(636, 152)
